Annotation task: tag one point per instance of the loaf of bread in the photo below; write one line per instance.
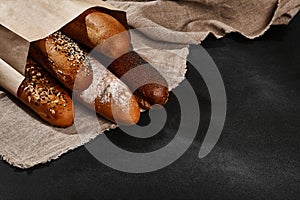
(103, 91)
(42, 94)
(64, 59)
(99, 30)
(149, 86)
(110, 97)
(94, 28)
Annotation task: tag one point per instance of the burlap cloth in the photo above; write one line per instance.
(26, 141)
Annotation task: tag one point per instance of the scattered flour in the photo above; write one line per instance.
(106, 87)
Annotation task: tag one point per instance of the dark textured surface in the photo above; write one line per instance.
(257, 156)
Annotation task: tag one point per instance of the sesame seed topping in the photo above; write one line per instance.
(70, 48)
(41, 89)
(52, 111)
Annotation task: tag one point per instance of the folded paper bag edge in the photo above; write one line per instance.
(36, 20)
(14, 49)
(10, 79)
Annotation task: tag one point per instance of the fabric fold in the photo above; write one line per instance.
(198, 18)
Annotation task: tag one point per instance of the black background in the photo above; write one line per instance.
(256, 157)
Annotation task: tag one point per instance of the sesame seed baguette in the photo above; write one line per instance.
(94, 28)
(64, 59)
(42, 94)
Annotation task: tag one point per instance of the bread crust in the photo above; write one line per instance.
(42, 94)
(149, 86)
(110, 97)
(64, 59)
(97, 29)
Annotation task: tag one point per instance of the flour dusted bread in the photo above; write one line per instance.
(42, 94)
(94, 28)
(64, 59)
(110, 97)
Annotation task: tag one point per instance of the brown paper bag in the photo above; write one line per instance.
(25, 139)
(23, 22)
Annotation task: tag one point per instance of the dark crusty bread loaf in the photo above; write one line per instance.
(43, 95)
(64, 59)
(149, 86)
(94, 28)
